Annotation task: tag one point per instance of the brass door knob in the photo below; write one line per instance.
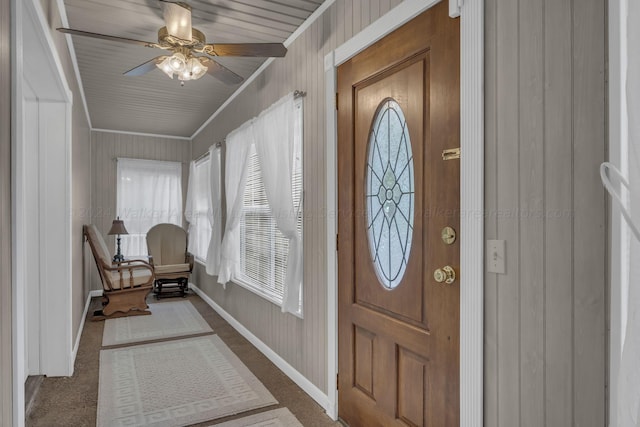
(445, 274)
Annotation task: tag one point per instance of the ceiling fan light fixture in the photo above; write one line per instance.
(165, 66)
(191, 69)
(177, 62)
(195, 68)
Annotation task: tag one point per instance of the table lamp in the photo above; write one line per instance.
(117, 228)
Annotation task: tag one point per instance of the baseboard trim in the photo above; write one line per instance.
(74, 352)
(311, 389)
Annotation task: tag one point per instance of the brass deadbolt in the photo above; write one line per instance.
(445, 274)
(448, 235)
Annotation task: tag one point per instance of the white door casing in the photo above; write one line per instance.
(41, 181)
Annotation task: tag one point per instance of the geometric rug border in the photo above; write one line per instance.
(284, 415)
(125, 388)
(129, 324)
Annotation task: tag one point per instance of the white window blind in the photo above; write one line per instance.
(263, 248)
(148, 193)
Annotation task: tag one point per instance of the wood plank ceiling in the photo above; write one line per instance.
(153, 103)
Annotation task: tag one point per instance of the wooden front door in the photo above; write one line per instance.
(398, 110)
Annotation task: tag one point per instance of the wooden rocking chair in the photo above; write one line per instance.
(125, 284)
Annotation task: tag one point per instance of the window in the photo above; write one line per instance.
(389, 193)
(198, 217)
(148, 193)
(263, 248)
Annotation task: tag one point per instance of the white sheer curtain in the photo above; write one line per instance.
(188, 204)
(215, 214)
(277, 154)
(148, 193)
(198, 207)
(629, 377)
(237, 154)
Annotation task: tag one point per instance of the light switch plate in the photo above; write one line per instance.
(496, 256)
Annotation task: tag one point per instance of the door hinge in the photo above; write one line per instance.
(337, 241)
(336, 100)
(337, 381)
(451, 153)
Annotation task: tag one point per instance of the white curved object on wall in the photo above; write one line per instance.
(607, 169)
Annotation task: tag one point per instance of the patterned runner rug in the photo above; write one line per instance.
(175, 383)
(281, 417)
(169, 319)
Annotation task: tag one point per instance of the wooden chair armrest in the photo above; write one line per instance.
(137, 261)
(126, 265)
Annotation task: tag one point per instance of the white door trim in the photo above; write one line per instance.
(471, 194)
(35, 59)
(618, 156)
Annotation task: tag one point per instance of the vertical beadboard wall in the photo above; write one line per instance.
(5, 215)
(105, 148)
(302, 343)
(546, 319)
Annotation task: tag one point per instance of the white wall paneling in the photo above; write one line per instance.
(545, 319)
(6, 315)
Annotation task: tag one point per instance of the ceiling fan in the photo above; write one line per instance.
(184, 42)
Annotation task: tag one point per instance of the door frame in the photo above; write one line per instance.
(35, 59)
(471, 14)
(619, 233)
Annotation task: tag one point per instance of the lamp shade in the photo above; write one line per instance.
(118, 227)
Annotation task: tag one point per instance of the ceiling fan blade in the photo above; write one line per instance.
(246, 49)
(105, 37)
(177, 19)
(221, 72)
(142, 69)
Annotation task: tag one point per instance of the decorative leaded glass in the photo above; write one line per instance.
(389, 193)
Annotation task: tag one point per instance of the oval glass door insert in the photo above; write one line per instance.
(389, 193)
